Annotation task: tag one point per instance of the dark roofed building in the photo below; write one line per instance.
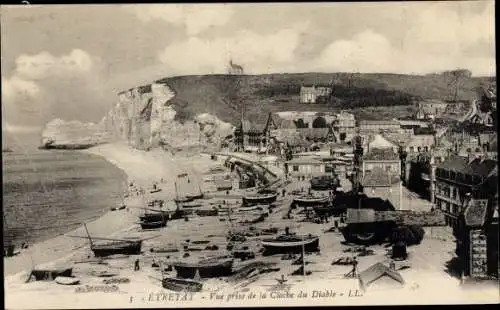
(458, 176)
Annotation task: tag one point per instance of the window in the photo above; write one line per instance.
(412, 149)
(295, 168)
(388, 168)
(419, 149)
(426, 149)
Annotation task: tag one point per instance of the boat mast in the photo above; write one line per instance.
(88, 234)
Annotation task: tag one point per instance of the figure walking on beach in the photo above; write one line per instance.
(136, 265)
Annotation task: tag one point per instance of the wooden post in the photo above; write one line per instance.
(303, 258)
(88, 234)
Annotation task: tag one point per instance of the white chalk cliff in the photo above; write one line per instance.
(144, 118)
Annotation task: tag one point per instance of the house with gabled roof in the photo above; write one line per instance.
(254, 135)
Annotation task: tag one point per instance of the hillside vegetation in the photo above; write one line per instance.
(368, 96)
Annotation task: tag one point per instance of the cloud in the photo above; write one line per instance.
(255, 52)
(44, 86)
(195, 18)
(43, 65)
(16, 86)
(436, 39)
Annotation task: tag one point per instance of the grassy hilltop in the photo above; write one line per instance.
(368, 96)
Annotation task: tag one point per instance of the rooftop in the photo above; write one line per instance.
(379, 178)
(478, 166)
(378, 122)
(381, 154)
(376, 272)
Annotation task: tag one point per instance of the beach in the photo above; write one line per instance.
(143, 168)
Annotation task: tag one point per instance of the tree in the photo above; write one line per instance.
(342, 136)
(320, 122)
(456, 78)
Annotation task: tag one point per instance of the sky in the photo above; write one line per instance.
(70, 61)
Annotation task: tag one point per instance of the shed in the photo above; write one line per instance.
(379, 276)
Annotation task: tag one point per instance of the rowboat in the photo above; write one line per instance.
(67, 280)
(153, 220)
(310, 200)
(264, 198)
(179, 285)
(207, 212)
(132, 247)
(290, 244)
(252, 208)
(153, 225)
(208, 268)
(112, 246)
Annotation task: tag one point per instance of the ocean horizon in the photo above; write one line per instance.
(50, 192)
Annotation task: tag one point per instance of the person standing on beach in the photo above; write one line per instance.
(136, 265)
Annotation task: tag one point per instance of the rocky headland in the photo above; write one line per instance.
(144, 118)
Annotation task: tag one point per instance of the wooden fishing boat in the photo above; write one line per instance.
(179, 285)
(309, 200)
(153, 224)
(191, 197)
(290, 244)
(208, 268)
(152, 217)
(259, 218)
(259, 199)
(112, 246)
(50, 274)
(67, 280)
(207, 212)
(252, 208)
(128, 247)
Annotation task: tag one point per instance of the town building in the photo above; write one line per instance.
(372, 127)
(255, 135)
(306, 166)
(378, 141)
(459, 176)
(383, 184)
(311, 93)
(430, 109)
(385, 159)
(344, 126)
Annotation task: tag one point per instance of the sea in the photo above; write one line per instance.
(50, 192)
